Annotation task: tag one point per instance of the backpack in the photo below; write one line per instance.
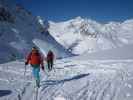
(35, 58)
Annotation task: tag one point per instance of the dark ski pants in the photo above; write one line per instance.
(50, 64)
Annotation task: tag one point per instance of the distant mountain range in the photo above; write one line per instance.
(20, 30)
(81, 35)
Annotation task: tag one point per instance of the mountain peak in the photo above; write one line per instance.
(78, 18)
(91, 35)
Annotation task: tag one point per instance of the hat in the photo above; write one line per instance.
(34, 48)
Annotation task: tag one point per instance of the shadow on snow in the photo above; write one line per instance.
(55, 82)
(5, 92)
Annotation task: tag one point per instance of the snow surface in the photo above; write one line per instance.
(119, 53)
(70, 80)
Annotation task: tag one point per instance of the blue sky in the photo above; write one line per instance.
(99, 10)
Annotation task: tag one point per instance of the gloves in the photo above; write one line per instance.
(26, 63)
(42, 67)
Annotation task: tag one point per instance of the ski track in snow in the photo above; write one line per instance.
(85, 80)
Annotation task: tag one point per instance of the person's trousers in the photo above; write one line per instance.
(50, 64)
(35, 72)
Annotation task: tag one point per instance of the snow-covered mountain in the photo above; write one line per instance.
(84, 35)
(103, 75)
(20, 30)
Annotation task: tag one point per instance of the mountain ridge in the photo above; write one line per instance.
(18, 29)
(102, 36)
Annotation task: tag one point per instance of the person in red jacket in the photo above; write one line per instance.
(50, 59)
(35, 59)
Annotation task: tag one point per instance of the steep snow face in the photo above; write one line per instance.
(84, 35)
(18, 29)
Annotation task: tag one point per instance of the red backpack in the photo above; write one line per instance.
(34, 58)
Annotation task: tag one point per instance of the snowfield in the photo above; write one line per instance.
(70, 80)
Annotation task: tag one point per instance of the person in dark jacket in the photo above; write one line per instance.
(50, 60)
(35, 59)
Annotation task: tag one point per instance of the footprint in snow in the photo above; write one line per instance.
(59, 98)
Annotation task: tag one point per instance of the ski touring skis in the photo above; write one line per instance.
(36, 93)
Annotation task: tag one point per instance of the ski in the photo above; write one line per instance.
(35, 94)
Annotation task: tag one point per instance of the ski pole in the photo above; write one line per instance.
(24, 70)
(54, 69)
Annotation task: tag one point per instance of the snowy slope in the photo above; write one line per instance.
(119, 53)
(70, 80)
(85, 35)
(18, 29)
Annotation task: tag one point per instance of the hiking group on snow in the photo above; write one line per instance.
(36, 59)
